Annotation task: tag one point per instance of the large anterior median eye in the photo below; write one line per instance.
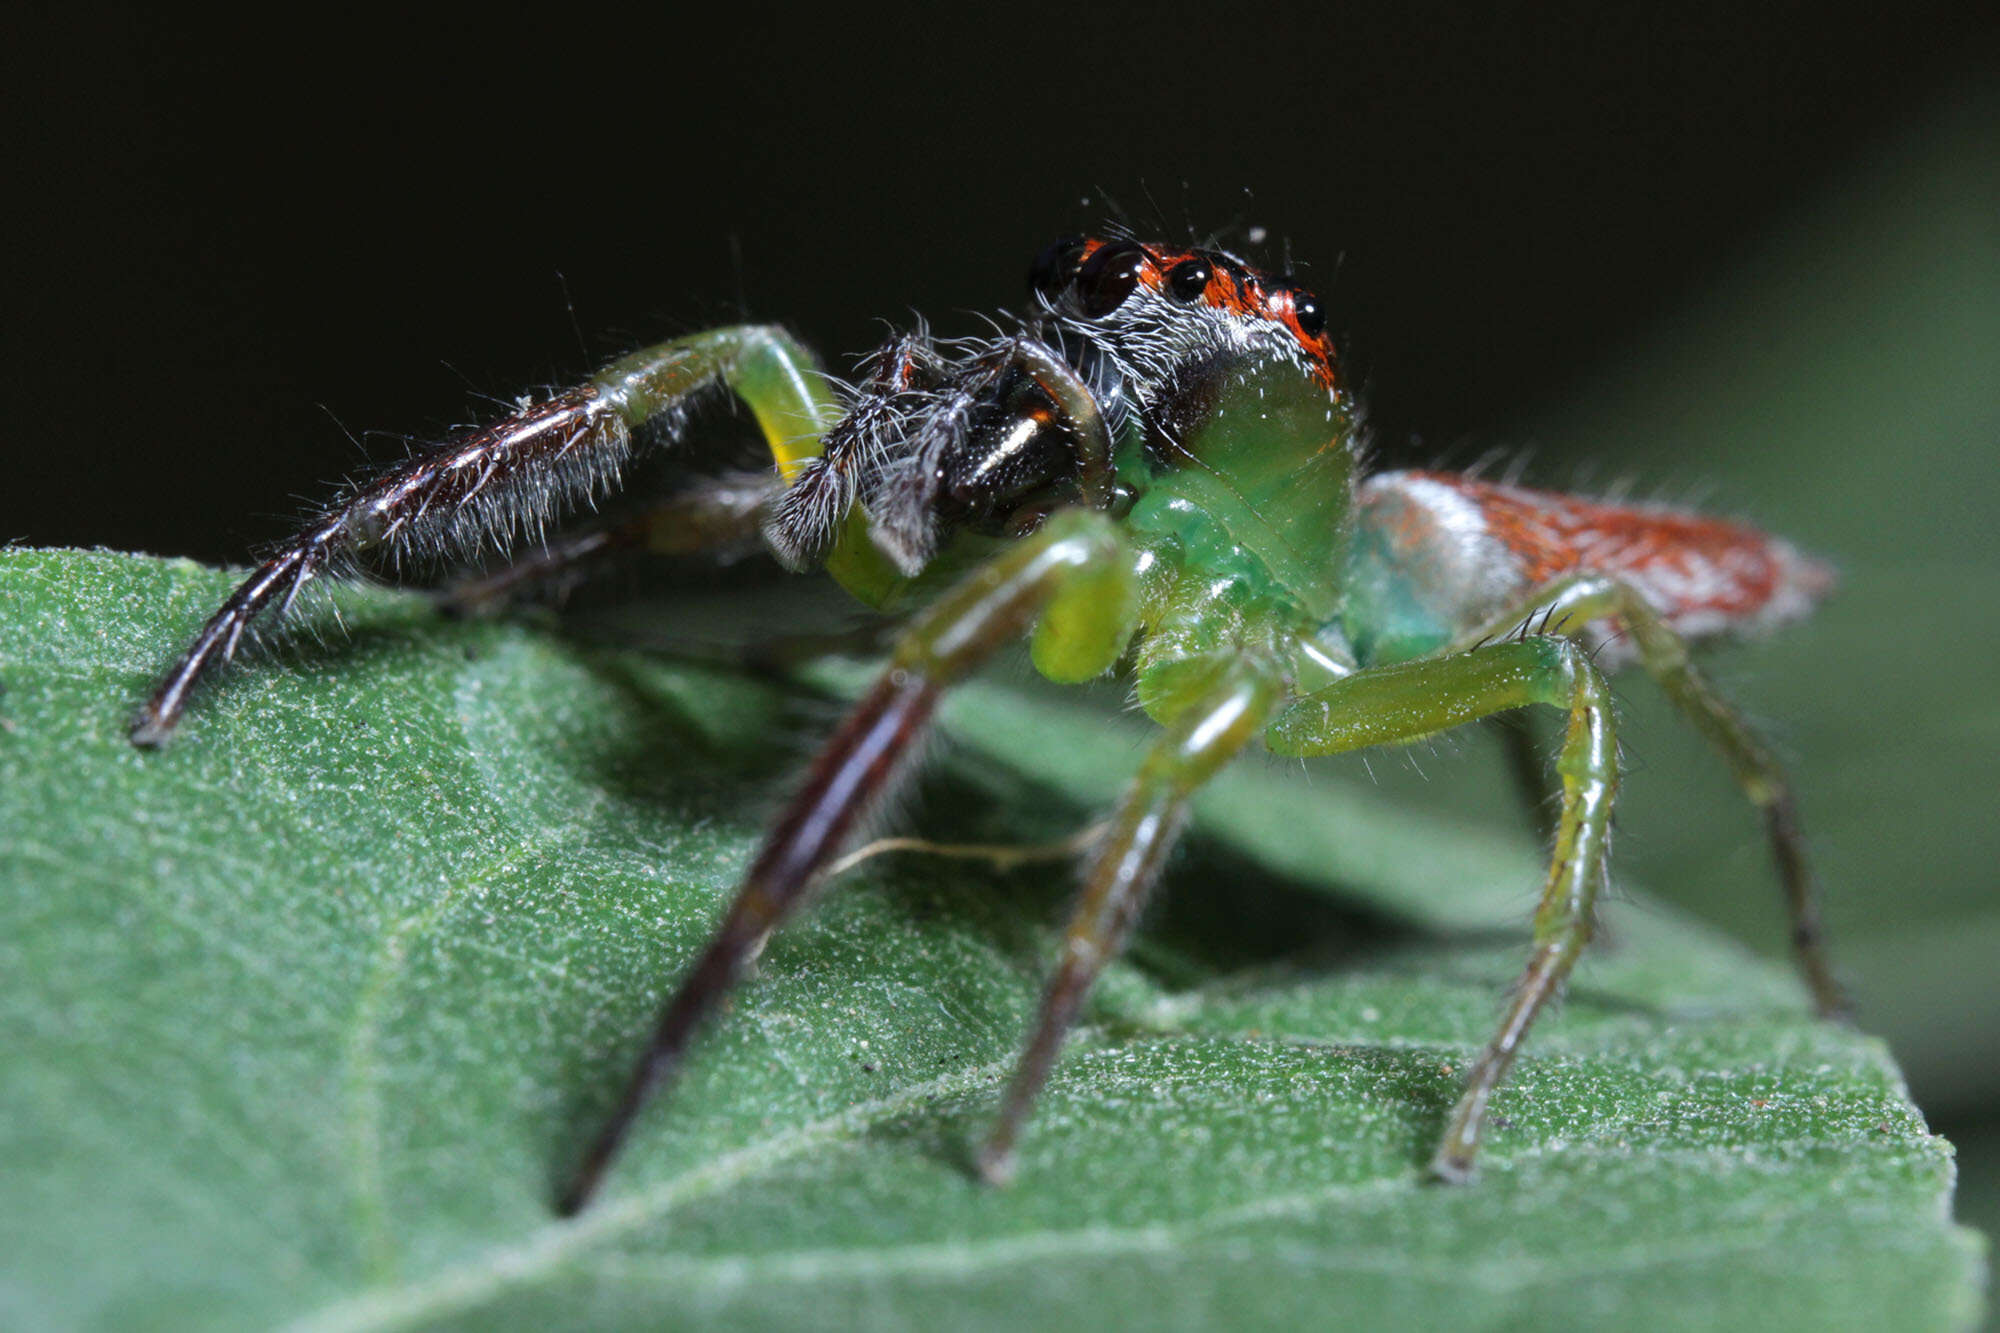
(1108, 277)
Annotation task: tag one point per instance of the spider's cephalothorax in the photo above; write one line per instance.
(1158, 466)
(1106, 385)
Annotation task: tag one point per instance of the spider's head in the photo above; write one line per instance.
(1152, 309)
(989, 435)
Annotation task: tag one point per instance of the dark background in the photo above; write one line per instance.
(229, 246)
(226, 239)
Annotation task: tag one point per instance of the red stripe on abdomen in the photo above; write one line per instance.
(1703, 575)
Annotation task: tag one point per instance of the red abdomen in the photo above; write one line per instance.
(1472, 550)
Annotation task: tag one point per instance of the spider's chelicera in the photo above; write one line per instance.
(1158, 468)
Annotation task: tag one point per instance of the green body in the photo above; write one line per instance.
(1255, 605)
(1217, 544)
(1247, 536)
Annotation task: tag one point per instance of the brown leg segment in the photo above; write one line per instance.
(1122, 871)
(850, 774)
(1075, 554)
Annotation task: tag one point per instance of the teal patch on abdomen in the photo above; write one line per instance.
(1386, 616)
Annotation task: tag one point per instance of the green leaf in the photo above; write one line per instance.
(304, 1014)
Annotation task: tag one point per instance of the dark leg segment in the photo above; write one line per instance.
(711, 516)
(512, 477)
(854, 770)
(1402, 703)
(1121, 872)
(1071, 556)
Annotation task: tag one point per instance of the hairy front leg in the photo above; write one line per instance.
(1402, 703)
(1075, 576)
(514, 476)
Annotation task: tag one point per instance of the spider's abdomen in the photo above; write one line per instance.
(1438, 556)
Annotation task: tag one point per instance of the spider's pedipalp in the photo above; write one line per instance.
(985, 433)
(804, 519)
(895, 393)
(902, 497)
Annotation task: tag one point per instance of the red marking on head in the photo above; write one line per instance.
(1696, 572)
(1237, 289)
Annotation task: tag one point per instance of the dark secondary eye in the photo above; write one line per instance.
(1311, 316)
(1108, 277)
(1055, 266)
(1187, 280)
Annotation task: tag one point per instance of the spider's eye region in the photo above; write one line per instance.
(1309, 314)
(1187, 280)
(1054, 267)
(1108, 277)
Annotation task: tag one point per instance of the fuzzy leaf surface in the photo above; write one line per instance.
(304, 1014)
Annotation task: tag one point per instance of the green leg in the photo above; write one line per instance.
(1122, 870)
(763, 365)
(1578, 601)
(514, 475)
(1075, 576)
(1402, 703)
(794, 407)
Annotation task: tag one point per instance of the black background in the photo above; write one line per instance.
(228, 238)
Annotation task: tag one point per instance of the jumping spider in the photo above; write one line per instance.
(1158, 468)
